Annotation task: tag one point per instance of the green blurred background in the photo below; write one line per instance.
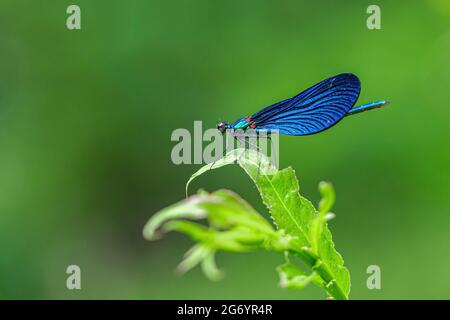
(86, 118)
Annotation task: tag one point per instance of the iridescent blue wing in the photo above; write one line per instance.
(313, 110)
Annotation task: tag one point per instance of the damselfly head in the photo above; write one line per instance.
(222, 127)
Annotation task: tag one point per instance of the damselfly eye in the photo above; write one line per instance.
(222, 127)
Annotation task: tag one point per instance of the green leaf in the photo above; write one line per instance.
(279, 191)
(189, 209)
(290, 211)
(294, 215)
(248, 159)
(292, 277)
(193, 257)
(334, 261)
(322, 242)
(223, 208)
(210, 269)
(317, 225)
(328, 197)
(233, 226)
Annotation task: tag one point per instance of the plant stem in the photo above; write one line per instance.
(315, 263)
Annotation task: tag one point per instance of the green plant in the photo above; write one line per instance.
(300, 230)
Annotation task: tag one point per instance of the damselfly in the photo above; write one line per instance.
(311, 111)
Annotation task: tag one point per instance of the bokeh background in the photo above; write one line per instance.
(86, 118)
